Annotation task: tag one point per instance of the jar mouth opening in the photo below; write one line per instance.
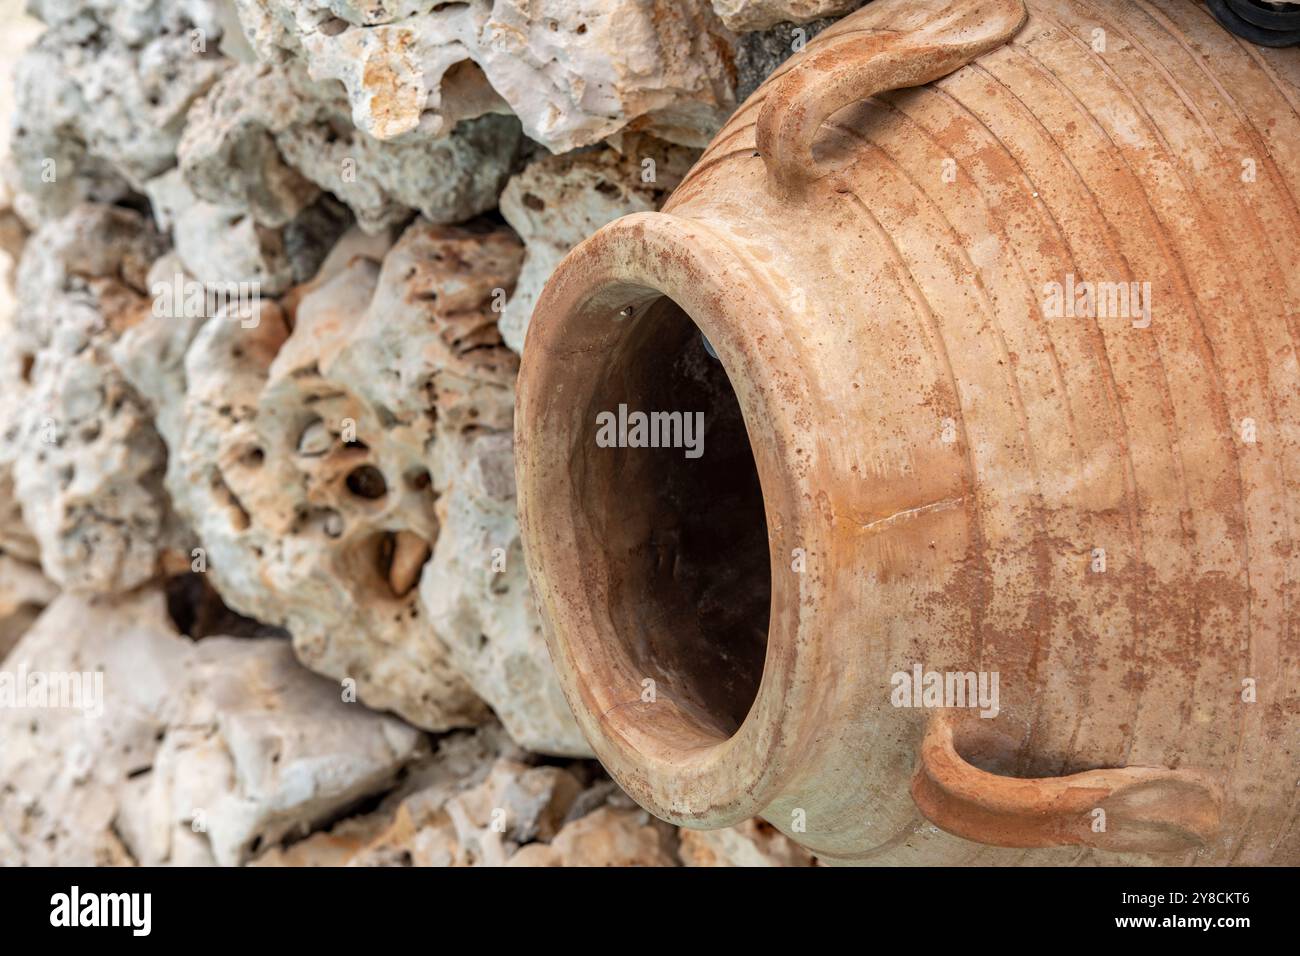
(662, 573)
(669, 509)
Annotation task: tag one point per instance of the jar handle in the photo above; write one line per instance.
(1142, 809)
(887, 45)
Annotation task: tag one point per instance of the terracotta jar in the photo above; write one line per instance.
(1006, 310)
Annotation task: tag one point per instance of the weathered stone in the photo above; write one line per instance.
(752, 843)
(321, 468)
(97, 116)
(220, 245)
(134, 22)
(759, 53)
(574, 73)
(267, 138)
(88, 475)
(82, 456)
(763, 14)
(333, 848)
(201, 752)
(479, 826)
(24, 592)
(608, 837)
(557, 201)
(17, 354)
(478, 600)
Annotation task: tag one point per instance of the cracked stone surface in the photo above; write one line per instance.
(574, 71)
(557, 201)
(752, 843)
(99, 112)
(764, 14)
(24, 592)
(320, 486)
(267, 139)
(222, 244)
(480, 801)
(81, 454)
(203, 752)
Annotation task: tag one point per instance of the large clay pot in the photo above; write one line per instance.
(927, 451)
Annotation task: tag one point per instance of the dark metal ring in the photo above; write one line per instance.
(1263, 27)
(1270, 18)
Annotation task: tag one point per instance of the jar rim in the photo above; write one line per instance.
(688, 779)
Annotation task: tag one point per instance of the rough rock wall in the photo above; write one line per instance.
(266, 267)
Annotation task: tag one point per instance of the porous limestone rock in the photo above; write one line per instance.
(267, 138)
(610, 836)
(17, 352)
(483, 825)
(80, 451)
(320, 468)
(135, 22)
(763, 14)
(557, 201)
(334, 847)
(100, 113)
(760, 52)
(480, 805)
(15, 539)
(24, 592)
(218, 245)
(88, 474)
(312, 517)
(478, 600)
(752, 843)
(201, 752)
(461, 760)
(20, 31)
(574, 72)
(151, 351)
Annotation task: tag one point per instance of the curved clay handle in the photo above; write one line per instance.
(1147, 809)
(888, 45)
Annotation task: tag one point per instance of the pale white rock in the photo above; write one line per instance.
(311, 542)
(83, 278)
(269, 750)
(480, 813)
(267, 139)
(573, 72)
(478, 600)
(150, 353)
(66, 775)
(201, 753)
(609, 836)
(335, 847)
(558, 201)
(304, 460)
(98, 117)
(763, 14)
(218, 244)
(752, 843)
(24, 592)
(479, 802)
(229, 253)
(88, 474)
(20, 32)
(81, 454)
(17, 354)
(15, 538)
(430, 334)
(133, 21)
(483, 825)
